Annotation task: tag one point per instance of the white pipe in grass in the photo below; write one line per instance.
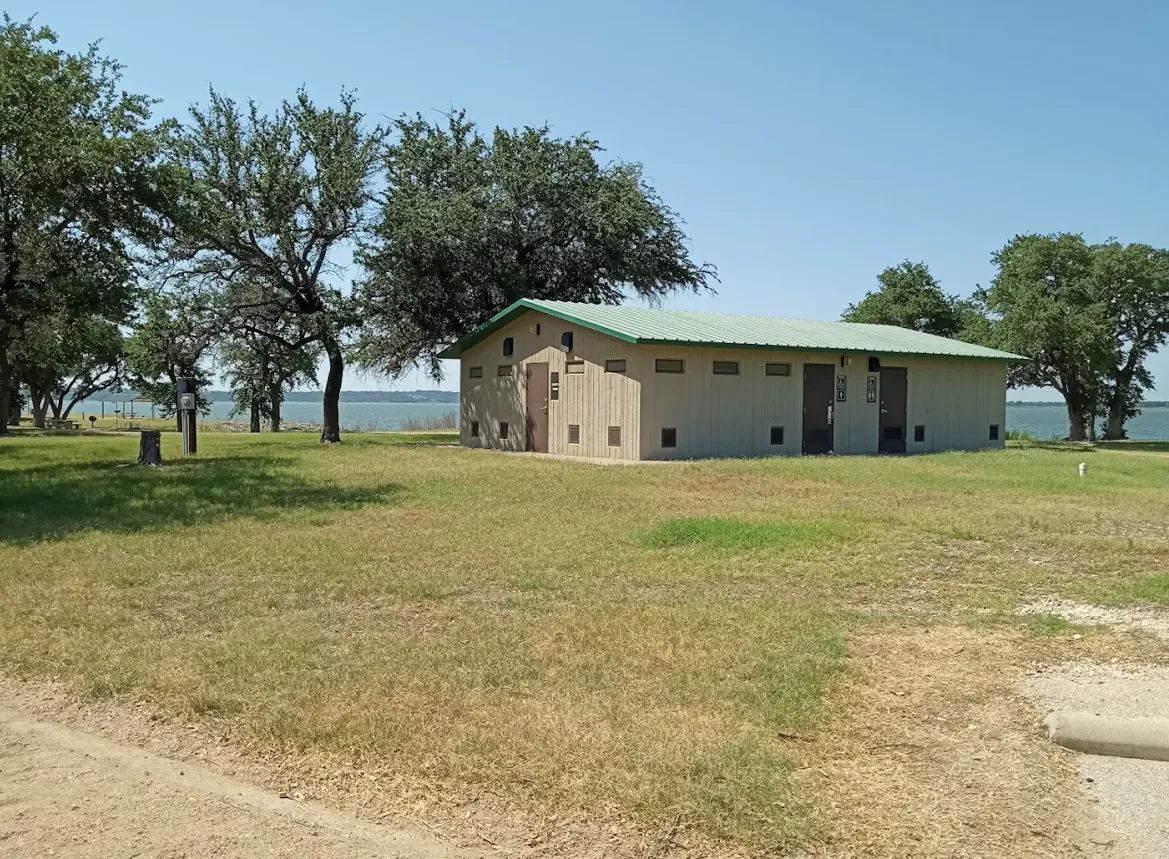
(1147, 739)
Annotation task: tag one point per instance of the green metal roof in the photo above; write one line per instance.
(695, 328)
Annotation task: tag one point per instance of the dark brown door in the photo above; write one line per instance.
(537, 407)
(818, 407)
(893, 399)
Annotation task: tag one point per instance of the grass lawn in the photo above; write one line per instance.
(634, 646)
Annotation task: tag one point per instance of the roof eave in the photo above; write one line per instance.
(519, 308)
(514, 311)
(770, 347)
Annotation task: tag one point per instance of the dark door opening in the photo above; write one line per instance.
(537, 422)
(893, 400)
(819, 389)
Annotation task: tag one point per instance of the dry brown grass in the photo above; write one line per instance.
(576, 657)
(933, 750)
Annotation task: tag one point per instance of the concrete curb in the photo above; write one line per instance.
(1147, 739)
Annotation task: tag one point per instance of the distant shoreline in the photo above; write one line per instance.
(1151, 404)
(452, 398)
(366, 397)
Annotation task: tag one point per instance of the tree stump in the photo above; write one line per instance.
(150, 448)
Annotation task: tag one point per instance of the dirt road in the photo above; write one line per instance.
(67, 793)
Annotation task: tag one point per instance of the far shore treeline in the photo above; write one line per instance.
(274, 246)
(214, 396)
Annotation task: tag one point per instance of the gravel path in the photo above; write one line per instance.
(1149, 620)
(1133, 795)
(67, 793)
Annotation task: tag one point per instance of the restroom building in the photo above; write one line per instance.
(639, 383)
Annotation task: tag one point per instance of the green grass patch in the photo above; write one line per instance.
(721, 534)
(655, 636)
(1145, 589)
(1053, 624)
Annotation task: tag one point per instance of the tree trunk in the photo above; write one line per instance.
(6, 398)
(331, 431)
(254, 425)
(276, 397)
(150, 447)
(39, 403)
(1114, 429)
(1076, 422)
(1118, 401)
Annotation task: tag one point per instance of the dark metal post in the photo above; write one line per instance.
(187, 415)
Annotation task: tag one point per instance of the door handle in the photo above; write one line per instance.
(545, 405)
(830, 416)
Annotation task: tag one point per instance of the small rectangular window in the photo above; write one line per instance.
(508, 345)
(919, 432)
(504, 370)
(669, 437)
(778, 369)
(503, 430)
(574, 368)
(726, 368)
(614, 436)
(474, 429)
(776, 436)
(668, 365)
(476, 373)
(994, 432)
(615, 365)
(574, 433)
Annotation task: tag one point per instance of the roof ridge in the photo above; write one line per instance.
(735, 315)
(635, 324)
(704, 312)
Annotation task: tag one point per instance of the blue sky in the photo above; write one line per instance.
(807, 145)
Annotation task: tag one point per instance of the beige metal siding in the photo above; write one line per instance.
(491, 400)
(718, 415)
(594, 399)
(857, 420)
(715, 415)
(957, 401)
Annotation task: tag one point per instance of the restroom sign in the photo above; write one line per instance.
(841, 389)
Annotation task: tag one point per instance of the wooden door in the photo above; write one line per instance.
(819, 390)
(537, 422)
(894, 395)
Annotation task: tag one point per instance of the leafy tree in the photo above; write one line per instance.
(1048, 305)
(171, 342)
(260, 370)
(909, 297)
(1133, 281)
(469, 225)
(63, 360)
(271, 350)
(278, 204)
(81, 177)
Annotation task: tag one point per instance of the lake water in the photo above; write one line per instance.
(1039, 421)
(1052, 422)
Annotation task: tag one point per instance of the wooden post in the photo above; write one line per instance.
(150, 448)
